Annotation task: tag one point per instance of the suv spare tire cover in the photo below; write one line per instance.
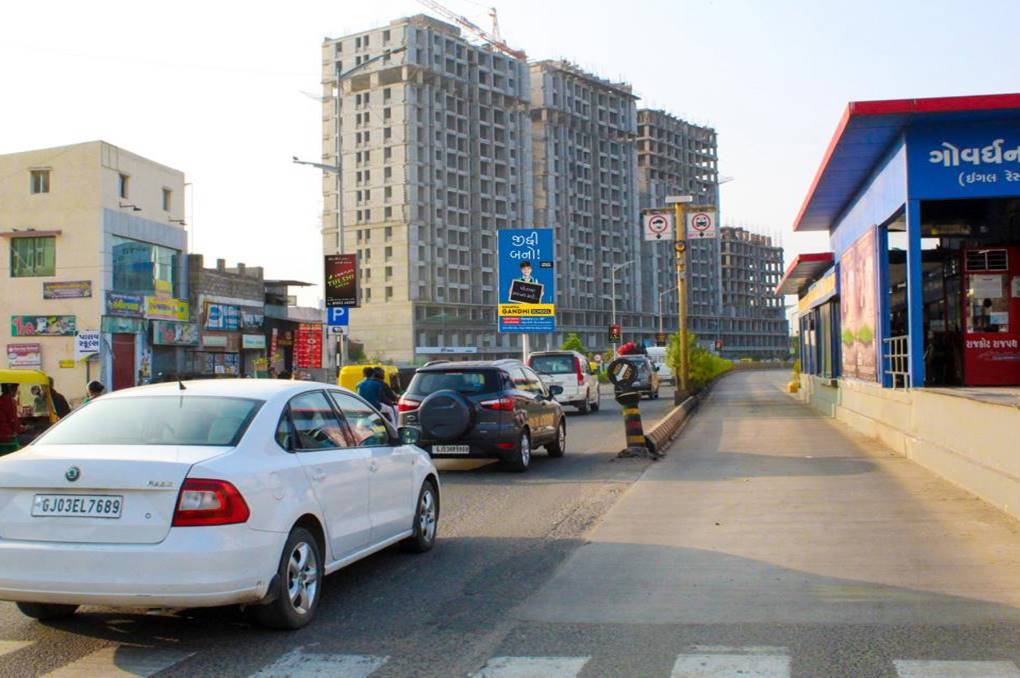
(444, 415)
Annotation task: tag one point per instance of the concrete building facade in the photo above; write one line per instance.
(753, 322)
(676, 157)
(91, 238)
(435, 151)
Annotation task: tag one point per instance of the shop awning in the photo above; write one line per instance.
(868, 131)
(802, 271)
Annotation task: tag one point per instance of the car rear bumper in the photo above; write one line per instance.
(192, 567)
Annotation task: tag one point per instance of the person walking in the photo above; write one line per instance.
(95, 389)
(60, 405)
(10, 425)
(370, 388)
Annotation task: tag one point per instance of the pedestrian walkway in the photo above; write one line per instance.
(766, 514)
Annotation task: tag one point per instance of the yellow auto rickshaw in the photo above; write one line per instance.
(350, 375)
(33, 402)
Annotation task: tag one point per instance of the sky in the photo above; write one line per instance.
(224, 90)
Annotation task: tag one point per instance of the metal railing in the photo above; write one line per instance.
(896, 360)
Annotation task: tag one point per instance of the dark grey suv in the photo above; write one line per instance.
(484, 409)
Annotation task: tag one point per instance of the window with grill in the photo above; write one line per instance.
(33, 257)
(39, 181)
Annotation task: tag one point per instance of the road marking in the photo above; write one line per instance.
(532, 667)
(122, 661)
(922, 668)
(300, 663)
(12, 646)
(719, 665)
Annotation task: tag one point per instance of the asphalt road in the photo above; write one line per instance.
(445, 613)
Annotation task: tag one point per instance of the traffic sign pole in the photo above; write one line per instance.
(680, 249)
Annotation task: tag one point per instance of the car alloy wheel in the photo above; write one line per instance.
(525, 449)
(427, 515)
(302, 578)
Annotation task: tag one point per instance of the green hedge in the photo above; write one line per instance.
(703, 365)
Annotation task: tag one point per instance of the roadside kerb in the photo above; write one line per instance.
(662, 434)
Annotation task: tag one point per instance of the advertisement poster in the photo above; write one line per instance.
(222, 317)
(71, 289)
(86, 344)
(157, 308)
(527, 280)
(308, 347)
(341, 280)
(167, 333)
(125, 305)
(24, 355)
(42, 326)
(253, 342)
(858, 308)
(252, 319)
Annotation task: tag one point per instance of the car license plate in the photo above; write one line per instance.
(451, 449)
(77, 506)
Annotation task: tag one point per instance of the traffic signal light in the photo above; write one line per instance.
(614, 334)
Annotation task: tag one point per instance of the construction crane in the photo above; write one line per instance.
(492, 38)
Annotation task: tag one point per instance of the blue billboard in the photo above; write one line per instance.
(527, 280)
(963, 161)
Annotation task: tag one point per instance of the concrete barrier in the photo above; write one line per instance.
(663, 433)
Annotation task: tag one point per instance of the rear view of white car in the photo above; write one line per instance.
(570, 370)
(211, 493)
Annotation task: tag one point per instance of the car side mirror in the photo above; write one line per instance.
(409, 435)
(555, 389)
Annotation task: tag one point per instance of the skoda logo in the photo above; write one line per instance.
(73, 474)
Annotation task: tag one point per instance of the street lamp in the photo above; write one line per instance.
(612, 293)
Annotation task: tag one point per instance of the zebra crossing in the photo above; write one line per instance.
(308, 662)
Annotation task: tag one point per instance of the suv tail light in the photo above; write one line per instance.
(407, 405)
(580, 375)
(209, 502)
(502, 404)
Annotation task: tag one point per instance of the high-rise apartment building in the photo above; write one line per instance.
(435, 150)
(583, 129)
(753, 323)
(676, 157)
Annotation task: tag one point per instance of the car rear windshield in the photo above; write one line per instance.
(156, 420)
(468, 382)
(554, 364)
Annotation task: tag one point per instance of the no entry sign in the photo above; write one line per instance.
(701, 224)
(658, 226)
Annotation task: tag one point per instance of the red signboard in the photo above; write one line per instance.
(308, 347)
(341, 280)
(991, 317)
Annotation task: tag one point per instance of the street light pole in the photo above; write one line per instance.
(612, 295)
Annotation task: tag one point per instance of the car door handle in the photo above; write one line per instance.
(372, 467)
(318, 475)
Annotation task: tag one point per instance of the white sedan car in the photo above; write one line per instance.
(209, 493)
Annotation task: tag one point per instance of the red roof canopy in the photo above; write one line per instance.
(802, 271)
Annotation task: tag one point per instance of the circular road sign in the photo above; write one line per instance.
(701, 222)
(658, 225)
(621, 372)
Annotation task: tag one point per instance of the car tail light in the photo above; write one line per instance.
(580, 375)
(502, 404)
(209, 502)
(407, 405)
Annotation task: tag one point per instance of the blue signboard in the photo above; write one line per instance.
(964, 161)
(338, 316)
(527, 280)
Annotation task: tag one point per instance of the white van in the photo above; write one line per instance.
(570, 370)
(657, 354)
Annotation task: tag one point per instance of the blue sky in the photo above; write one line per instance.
(214, 89)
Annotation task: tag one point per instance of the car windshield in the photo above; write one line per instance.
(640, 364)
(468, 382)
(156, 420)
(554, 364)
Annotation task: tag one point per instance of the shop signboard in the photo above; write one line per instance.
(117, 325)
(69, 289)
(341, 280)
(24, 355)
(308, 346)
(446, 350)
(963, 161)
(86, 344)
(252, 319)
(168, 333)
(157, 308)
(253, 342)
(222, 317)
(859, 309)
(125, 305)
(66, 364)
(820, 292)
(42, 325)
(214, 341)
(527, 280)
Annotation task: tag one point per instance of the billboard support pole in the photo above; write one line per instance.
(681, 293)
(525, 348)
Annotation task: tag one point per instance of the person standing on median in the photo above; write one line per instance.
(370, 388)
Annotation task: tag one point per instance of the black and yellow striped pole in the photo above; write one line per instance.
(622, 374)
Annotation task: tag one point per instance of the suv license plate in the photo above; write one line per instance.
(77, 506)
(451, 449)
